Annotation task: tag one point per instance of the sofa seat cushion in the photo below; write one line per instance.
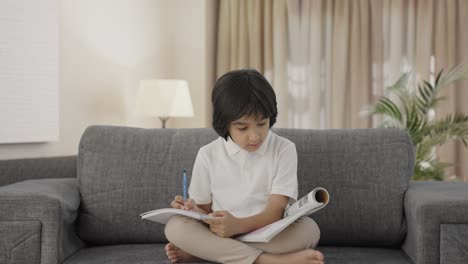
(121, 254)
(154, 253)
(361, 255)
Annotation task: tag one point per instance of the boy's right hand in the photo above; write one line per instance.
(179, 203)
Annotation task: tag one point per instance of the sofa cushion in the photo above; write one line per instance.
(122, 254)
(366, 172)
(362, 255)
(154, 254)
(123, 172)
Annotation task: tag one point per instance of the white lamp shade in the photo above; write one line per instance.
(164, 98)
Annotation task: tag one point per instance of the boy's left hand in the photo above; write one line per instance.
(224, 225)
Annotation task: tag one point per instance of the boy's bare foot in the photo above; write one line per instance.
(306, 256)
(175, 254)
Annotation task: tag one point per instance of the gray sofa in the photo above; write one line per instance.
(375, 215)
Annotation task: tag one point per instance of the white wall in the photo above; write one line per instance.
(107, 46)
(29, 72)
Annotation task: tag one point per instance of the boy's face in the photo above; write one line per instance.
(249, 132)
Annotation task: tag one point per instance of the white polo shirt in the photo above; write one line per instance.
(241, 182)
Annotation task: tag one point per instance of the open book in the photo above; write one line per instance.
(310, 203)
(163, 215)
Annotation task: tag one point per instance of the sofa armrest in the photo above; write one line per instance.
(37, 219)
(16, 170)
(437, 218)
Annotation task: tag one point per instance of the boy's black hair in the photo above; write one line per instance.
(241, 93)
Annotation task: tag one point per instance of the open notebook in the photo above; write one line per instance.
(315, 200)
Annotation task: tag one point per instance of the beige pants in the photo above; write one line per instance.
(195, 238)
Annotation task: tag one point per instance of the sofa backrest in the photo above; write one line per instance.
(123, 172)
(366, 172)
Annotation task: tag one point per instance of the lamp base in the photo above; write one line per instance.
(163, 120)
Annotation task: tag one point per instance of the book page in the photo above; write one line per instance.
(310, 203)
(267, 232)
(163, 215)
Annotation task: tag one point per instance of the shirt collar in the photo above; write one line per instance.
(263, 148)
(232, 148)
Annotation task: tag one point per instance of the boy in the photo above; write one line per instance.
(245, 179)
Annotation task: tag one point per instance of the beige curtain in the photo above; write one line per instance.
(450, 47)
(253, 34)
(289, 41)
(327, 39)
(327, 59)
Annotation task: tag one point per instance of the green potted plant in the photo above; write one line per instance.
(412, 108)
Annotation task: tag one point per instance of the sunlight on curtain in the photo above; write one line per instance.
(327, 40)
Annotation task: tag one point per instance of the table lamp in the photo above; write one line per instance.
(164, 99)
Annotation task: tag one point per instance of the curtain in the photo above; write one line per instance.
(450, 48)
(327, 59)
(253, 34)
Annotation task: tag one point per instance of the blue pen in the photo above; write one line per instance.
(185, 185)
